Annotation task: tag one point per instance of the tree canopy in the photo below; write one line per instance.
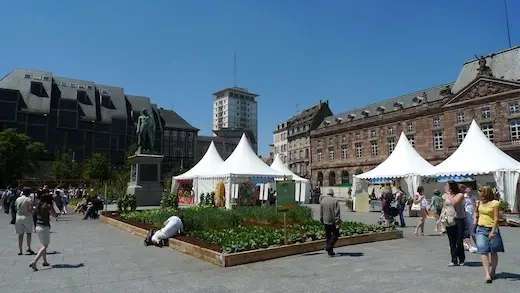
(18, 155)
(64, 167)
(97, 167)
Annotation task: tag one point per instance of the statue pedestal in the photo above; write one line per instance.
(145, 179)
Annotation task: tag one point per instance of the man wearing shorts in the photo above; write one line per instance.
(24, 219)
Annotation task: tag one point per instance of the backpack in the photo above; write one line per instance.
(447, 216)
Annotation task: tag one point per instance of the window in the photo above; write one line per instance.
(37, 77)
(438, 141)
(514, 129)
(485, 113)
(436, 122)
(331, 154)
(411, 139)
(513, 108)
(409, 126)
(37, 89)
(373, 133)
(81, 86)
(319, 153)
(46, 78)
(63, 83)
(359, 149)
(107, 102)
(487, 129)
(344, 152)
(390, 130)
(375, 148)
(391, 145)
(27, 76)
(89, 87)
(461, 134)
(460, 116)
(104, 91)
(72, 85)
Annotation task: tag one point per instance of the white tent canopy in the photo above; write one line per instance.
(244, 162)
(475, 155)
(303, 186)
(207, 166)
(402, 162)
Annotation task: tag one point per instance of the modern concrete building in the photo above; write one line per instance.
(84, 117)
(435, 121)
(235, 109)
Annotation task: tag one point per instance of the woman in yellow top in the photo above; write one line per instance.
(489, 240)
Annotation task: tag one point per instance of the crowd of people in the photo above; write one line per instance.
(470, 221)
(31, 211)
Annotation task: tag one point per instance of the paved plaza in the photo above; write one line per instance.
(93, 257)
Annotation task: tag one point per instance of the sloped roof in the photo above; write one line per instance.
(173, 120)
(404, 101)
(504, 65)
(279, 166)
(403, 161)
(243, 161)
(475, 155)
(207, 166)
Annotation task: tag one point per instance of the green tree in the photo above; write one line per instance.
(64, 167)
(18, 154)
(97, 167)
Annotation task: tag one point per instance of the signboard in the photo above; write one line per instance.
(285, 195)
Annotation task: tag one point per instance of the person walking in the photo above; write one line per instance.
(43, 227)
(330, 217)
(436, 206)
(489, 240)
(23, 221)
(454, 200)
(401, 198)
(420, 199)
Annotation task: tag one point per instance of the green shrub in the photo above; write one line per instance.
(207, 200)
(504, 206)
(169, 200)
(270, 214)
(126, 202)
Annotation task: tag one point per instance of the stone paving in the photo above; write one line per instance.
(93, 257)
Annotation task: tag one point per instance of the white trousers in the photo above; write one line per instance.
(158, 236)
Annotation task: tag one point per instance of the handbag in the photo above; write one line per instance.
(447, 217)
(416, 207)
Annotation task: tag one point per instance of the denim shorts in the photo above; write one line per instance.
(486, 245)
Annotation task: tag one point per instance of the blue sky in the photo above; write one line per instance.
(291, 52)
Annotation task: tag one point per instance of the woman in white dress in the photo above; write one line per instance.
(469, 207)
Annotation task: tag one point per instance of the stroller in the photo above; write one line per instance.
(393, 213)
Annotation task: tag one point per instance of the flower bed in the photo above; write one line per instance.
(244, 229)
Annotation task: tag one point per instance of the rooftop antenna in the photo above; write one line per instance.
(235, 69)
(507, 24)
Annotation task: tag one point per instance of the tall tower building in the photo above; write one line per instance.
(235, 111)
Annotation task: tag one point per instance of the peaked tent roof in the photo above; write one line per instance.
(279, 166)
(208, 165)
(403, 161)
(244, 161)
(475, 155)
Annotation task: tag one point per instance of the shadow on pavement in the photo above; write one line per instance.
(68, 266)
(505, 275)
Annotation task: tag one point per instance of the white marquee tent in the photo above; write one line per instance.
(303, 186)
(404, 162)
(477, 155)
(207, 166)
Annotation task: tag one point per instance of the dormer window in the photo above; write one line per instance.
(46, 78)
(398, 105)
(27, 76)
(365, 113)
(104, 91)
(326, 122)
(81, 86)
(63, 83)
(338, 120)
(73, 85)
(417, 100)
(380, 109)
(351, 116)
(89, 87)
(37, 77)
(107, 102)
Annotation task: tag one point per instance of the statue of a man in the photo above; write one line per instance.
(145, 132)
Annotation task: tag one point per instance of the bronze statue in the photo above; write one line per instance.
(145, 133)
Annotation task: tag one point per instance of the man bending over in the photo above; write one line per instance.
(172, 227)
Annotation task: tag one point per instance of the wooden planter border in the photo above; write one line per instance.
(239, 258)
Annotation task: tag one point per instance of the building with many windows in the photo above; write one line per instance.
(435, 120)
(235, 109)
(82, 117)
(292, 138)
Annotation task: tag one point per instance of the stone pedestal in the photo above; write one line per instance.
(145, 179)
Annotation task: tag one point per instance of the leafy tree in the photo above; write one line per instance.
(18, 154)
(64, 167)
(97, 167)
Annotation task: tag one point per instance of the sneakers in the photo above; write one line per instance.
(473, 249)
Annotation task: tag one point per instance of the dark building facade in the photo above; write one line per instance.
(435, 120)
(74, 115)
(224, 146)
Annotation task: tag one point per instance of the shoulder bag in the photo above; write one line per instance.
(447, 217)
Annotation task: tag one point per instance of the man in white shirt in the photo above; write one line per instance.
(24, 220)
(173, 226)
